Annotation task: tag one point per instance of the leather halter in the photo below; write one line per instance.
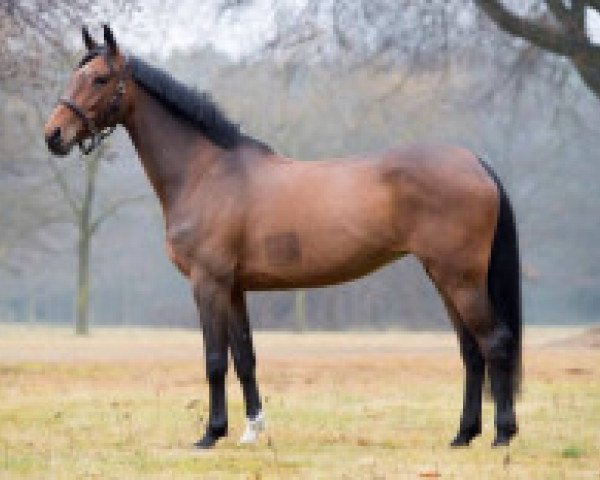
(97, 134)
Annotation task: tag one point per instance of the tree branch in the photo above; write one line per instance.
(590, 74)
(64, 187)
(111, 209)
(542, 35)
(595, 4)
(558, 9)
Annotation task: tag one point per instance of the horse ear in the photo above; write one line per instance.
(109, 39)
(88, 41)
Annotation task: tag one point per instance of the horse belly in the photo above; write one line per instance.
(320, 225)
(291, 260)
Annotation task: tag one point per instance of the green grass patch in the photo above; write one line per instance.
(572, 451)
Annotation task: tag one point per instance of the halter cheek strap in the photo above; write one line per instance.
(87, 122)
(98, 135)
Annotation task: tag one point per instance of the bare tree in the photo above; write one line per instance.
(46, 202)
(87, 222)
(436, 35)
(34, 54)
(556, 26)
(32, 30)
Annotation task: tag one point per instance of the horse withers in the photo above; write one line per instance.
(240, 217)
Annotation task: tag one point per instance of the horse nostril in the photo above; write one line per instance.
(53, 139)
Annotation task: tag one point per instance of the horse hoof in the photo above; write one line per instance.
(254, 426)
(206, 442)
(463, 439)
(209, 440)
(501, 441)
(460, 442)
(504, 437)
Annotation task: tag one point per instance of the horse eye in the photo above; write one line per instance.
(103, 80)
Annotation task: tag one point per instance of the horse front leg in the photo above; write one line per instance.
(214, 307)
(244, 362)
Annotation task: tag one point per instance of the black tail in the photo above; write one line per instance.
(504, 277)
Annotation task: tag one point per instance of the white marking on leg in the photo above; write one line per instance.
(254, 426)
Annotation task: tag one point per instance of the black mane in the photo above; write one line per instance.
(185, 102)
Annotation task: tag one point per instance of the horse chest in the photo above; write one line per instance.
(179, 245)
(197, 245)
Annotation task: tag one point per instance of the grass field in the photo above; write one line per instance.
(128, 403)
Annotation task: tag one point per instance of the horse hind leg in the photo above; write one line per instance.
(502, 382)
(496, 345)
(474, 364)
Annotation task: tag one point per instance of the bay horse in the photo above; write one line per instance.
(239, 217)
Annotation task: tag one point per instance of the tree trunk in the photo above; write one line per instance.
(31, 313)
(300, 310)
(83, 285)
(84, 244)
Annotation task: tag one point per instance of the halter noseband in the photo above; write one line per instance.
(98, 135)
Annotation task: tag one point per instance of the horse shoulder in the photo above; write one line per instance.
(179, 244)
(203, 231)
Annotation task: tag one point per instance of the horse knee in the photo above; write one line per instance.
(216, 367)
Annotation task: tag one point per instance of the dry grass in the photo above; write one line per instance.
(128, 404)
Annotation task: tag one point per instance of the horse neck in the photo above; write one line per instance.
(168, 147)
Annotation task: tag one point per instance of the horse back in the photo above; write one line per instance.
(324, 222)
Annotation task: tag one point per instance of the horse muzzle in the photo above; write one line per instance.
(56, 144)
